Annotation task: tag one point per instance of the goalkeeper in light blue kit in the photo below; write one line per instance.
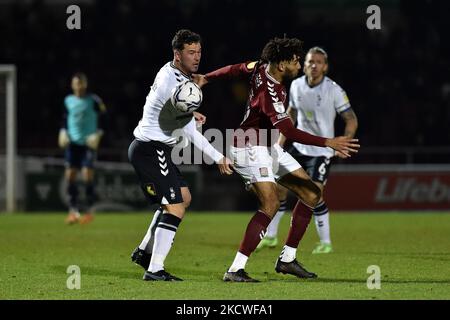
(80, 135)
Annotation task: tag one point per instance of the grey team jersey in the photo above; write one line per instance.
(316, 111)
(160, 118)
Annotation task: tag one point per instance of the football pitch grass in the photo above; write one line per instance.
(411, 250)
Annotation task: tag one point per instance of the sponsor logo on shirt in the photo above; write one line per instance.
(281, 116)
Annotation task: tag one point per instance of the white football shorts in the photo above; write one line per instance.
(260, 163)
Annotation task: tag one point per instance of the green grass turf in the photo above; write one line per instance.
(412, 250)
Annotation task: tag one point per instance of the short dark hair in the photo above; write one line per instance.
(183, 37)
(80, 75)
(282, 49)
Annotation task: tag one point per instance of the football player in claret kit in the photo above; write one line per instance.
(81, 130)
(150, 154)
(261, 164)
(314, 102)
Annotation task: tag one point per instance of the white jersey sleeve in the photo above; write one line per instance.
(341, 101)
(201, 142)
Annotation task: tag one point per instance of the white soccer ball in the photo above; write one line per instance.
(187, 97)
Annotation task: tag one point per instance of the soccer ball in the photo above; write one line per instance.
(187, 97)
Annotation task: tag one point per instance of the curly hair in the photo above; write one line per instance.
(183, 37)
(282, 49)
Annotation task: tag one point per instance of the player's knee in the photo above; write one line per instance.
(177, 210)
(187, 202)
(282, 193)
(270, 205)
(187, 198)
(312, 198)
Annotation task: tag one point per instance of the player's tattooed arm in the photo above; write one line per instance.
(351, 122)
(351, 125)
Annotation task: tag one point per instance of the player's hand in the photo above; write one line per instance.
(93, 140)
(344, 145)
(225, 166)
(199, 79)
(199, 118)
(340, 155)
(63, 139)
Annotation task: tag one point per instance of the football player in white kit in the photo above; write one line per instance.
(150, 154)
(314, 102)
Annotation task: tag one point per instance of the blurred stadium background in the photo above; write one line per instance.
(396, 78)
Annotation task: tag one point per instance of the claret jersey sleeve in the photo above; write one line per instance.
(232, 71)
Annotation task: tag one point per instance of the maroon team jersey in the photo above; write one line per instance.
(266, 107)
(266, 104)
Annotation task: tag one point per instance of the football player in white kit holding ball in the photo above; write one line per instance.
(150, 152)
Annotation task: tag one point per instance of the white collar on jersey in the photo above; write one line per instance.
(174, 67)
(269, 76)
(307, 83)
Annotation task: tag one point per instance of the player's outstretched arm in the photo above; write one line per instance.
(199, 79)
(343, 144)
(199, 118)
(225, 166)
(292, 112)
(231, 71)
(203, 144)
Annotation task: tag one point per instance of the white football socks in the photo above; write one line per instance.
(239, 262)
(288, 254)
(272, 229)
(147, 242)
(321, 219)
(164, 235)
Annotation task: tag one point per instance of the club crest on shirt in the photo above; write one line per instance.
(264, 172)
(279, 107)
(150, 188)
